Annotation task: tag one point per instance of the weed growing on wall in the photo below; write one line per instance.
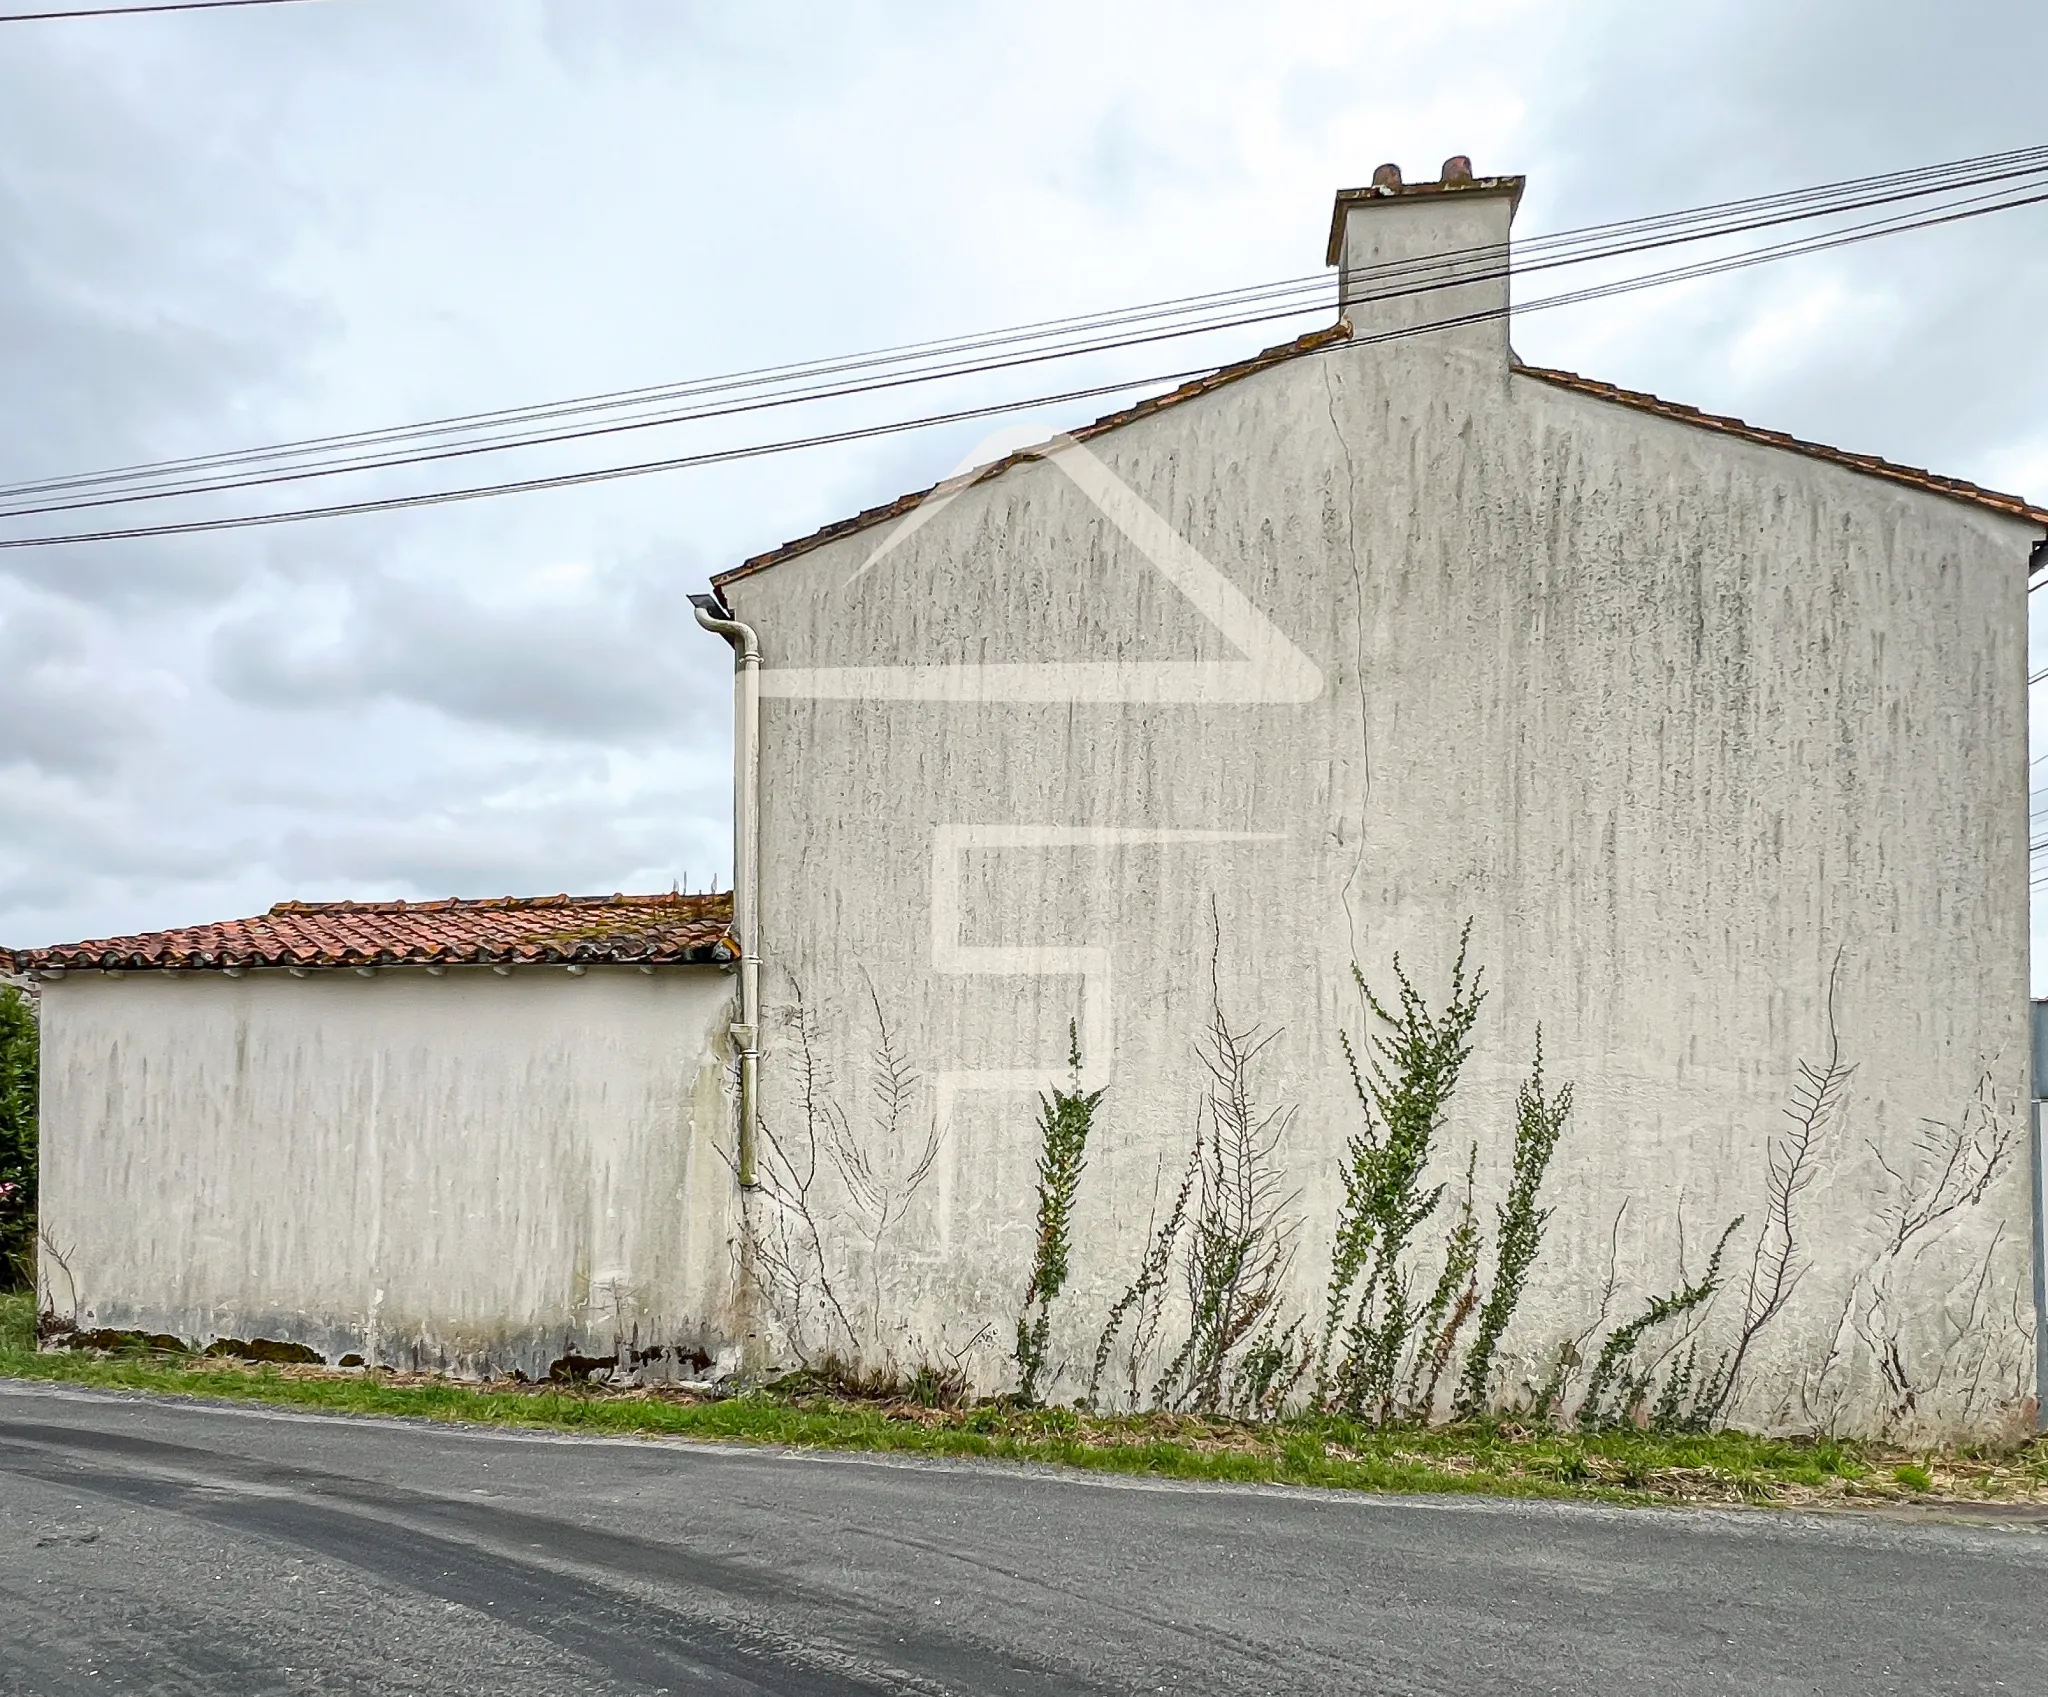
(1140, 1306)
(1450, 1304)
(1980, 1346)
(1548, 1397)
(806, 1241)
(1403, 1091)
(1792, 1163)
(1618, 1390)
(1416, 1324)
(18, 1063)
(785, 1233)
(1065, 1118)
(1230, 1235)
(1519, 1225)
(1240, 1238)
(882, 1171)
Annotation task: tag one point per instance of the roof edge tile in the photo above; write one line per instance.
(1319, 341)
(1932, 483)
(1316, 341)
(671, 929)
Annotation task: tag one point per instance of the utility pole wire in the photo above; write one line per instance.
(720, 456)
(1054, 338)
(137, 11)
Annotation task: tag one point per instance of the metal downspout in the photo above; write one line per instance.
(746, 858)
(2037, 1197)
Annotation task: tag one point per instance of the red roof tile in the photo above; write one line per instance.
(642, 930)
(2013, 506)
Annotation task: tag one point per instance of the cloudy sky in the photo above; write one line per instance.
(220, 230)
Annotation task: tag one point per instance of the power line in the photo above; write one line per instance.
(726, 455)
(128, 11)
(605, 474)
(1249, 295)
(146, 492)
(896, 427)
(807, 396)
(1084, 334)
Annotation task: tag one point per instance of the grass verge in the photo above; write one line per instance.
(1489, 1458)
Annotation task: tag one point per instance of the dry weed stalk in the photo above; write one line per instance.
(793, 1221)
(1791, 1165)
(1241, 1238)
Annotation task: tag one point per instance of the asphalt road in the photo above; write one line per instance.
(176, 1547)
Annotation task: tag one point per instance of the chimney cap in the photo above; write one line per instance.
(1387, 185)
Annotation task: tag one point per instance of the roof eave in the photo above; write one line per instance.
(1869, 465)
(1314, 342)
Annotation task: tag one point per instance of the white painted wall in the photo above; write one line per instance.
(469, 1171)
(1686, 726)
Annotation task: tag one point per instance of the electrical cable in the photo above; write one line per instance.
(1572, 247)
(1816, 243)
(1890, 226)
(137, 11)
(1319, 284)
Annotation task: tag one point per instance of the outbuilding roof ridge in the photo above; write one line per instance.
(1955, 488)
(669, 929)
(450, 904)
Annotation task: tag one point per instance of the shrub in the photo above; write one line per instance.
(17, 1138)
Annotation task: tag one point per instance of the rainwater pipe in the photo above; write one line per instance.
(746, 857)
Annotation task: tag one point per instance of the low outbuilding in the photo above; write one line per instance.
(454, 1134)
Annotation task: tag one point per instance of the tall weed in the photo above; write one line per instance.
(1065, 1118)
(1519, 1225)
(1403, 1091)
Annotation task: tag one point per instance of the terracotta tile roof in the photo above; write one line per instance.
(2013, 506)
(1314, 342)
(640, 930)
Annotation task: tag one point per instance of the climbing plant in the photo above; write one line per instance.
(1519, 1225)
(1065, 1118)
(1403, 1088)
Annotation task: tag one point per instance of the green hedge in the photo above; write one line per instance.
(17, 1139)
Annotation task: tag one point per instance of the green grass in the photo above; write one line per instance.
(1499, 1459)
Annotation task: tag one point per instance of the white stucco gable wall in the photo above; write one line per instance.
(471, 1171)
(1687, 726)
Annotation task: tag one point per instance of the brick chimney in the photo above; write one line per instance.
(1415, 254)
